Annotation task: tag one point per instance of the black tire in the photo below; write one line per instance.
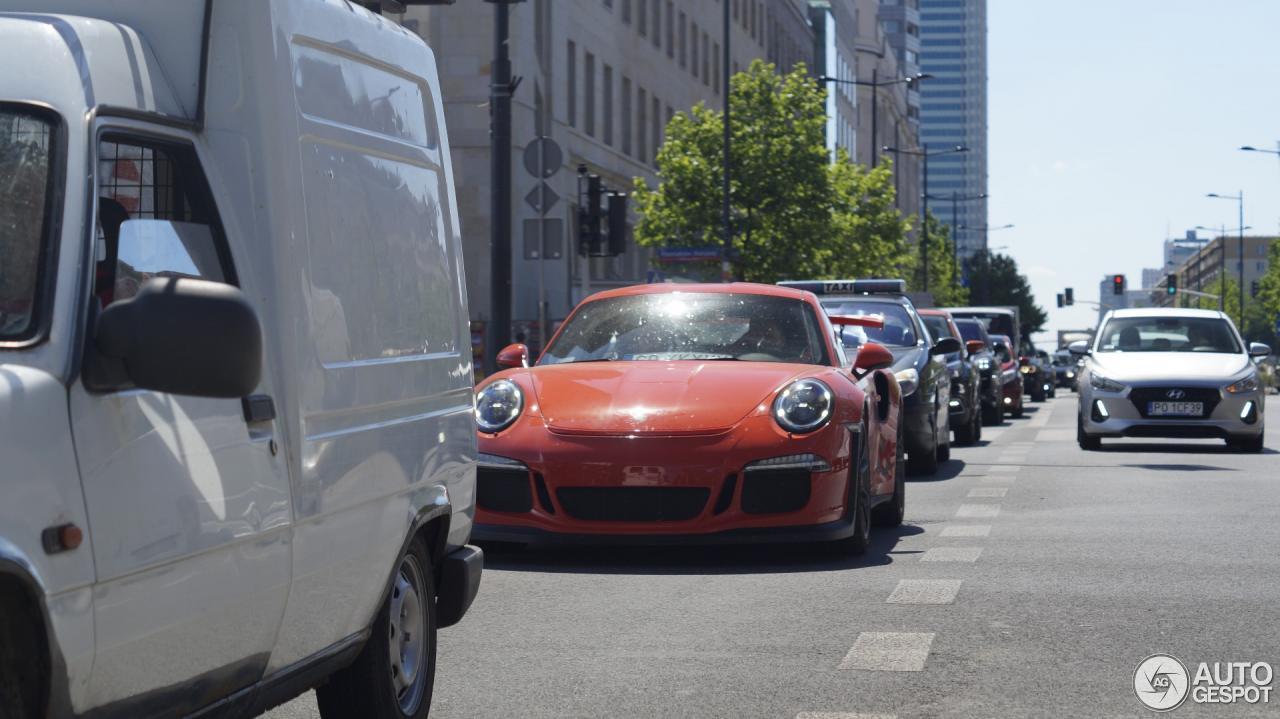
(992, 414)
(944, 452)
(926, 460)
(1087, 442)
(859, 502)
(977, 428)
(891, 513)
(368, 688)
(1016, 412)
(1037, 392)
(1250, 445)
(24, 665)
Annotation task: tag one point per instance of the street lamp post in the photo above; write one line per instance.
(956, 199)
(875, 86)
(1239, 198)
(725, 266)
(925, 154)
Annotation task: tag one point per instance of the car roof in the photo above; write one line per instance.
(933, 312)
(1166, 312)
(882, 299)
(990, 310)
(741, 288)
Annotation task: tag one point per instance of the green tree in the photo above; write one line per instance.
(1262, 313)
(994, 280)
(944, 284)
(796, 212)
(1227, 288)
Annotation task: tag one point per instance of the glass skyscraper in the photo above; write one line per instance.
(953, 111)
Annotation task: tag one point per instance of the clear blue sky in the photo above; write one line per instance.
(1109, 122)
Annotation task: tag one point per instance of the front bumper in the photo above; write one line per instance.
(1117, 414)
(829, 531)
(459, 582)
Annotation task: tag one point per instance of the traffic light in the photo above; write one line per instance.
(1117, 284)
(617, 223)
(1062, 300)
(1171, 285)
(1069, 296)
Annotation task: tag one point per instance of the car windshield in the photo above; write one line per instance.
(1062, 359)
(24, 188)
(690, 326)
(995, 322)
(898, 330)
(937, 326)
(1168, 334)
(971, 331)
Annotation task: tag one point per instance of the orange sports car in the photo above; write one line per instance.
(671, 413)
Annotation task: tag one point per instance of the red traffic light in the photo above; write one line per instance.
(1117, 284)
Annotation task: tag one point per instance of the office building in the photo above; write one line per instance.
(953, 108)
(1202, 270)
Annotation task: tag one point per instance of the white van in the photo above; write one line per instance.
(237, 447)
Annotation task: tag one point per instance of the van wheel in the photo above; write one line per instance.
(394, 674)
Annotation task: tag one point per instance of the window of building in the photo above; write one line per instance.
(571, 85)
(892, 27)
(715, 67)
(706, 60)
(607, 96)
(642, 138)
(626, 115)
(626, 12)
(693, 67)
(589, 94)
(671, 29)
(642, 17)
(608, 4)
(655, 129)
(657, 23)
(684, 41)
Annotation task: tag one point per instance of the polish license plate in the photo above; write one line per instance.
(1175, 409)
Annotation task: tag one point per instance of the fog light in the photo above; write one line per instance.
(1249, 413)
(1099, 413)
(1008, 400)
(811, 462)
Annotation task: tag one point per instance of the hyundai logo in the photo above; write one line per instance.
(1175, 394)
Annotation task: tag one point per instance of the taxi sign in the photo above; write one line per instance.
(849, 287)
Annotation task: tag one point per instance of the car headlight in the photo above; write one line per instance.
(1248, 384)
(1026, 369)
(1106, 384)
(984, 364)
(805, 405)
(908, 380)
(1070, 374)
(498, 405)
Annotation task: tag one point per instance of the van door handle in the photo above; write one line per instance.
(258, 408)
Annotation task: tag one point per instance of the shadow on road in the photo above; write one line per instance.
(1172, 448)
(950, 469)
(667, 560)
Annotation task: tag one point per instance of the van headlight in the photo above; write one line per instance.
(1248, 384)
(908, 380)
(804, 406)
(498, 405)
(1105, 384)
(984, 364)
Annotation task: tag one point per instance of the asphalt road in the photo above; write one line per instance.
(1029, 580)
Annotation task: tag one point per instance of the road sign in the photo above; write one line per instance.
(541, 198)
(543, 157)
(552, 240)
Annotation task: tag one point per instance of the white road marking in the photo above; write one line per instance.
(1006, 468)
(1024, 443)
(966, 530)
(976, 511)
(988, 491)
(925, 591)
(889, 651)
(999, 479)
(843, 715)
(1056, 435)
(952, 554)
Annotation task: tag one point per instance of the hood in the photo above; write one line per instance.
(907, 357)
(649, 397)
(1132, 367)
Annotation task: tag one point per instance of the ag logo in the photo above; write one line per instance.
(1161, 682)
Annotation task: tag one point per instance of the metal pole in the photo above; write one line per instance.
(542, 246)
(955, 240)
(875, 117)
(1240, 249)
(924, 218)
(500, 188)
(725, 266)
(1222, 270)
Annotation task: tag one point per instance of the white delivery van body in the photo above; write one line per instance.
(236, 415)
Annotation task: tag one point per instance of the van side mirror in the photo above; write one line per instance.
(516, 355)
(945, 346)
(975, 346)
(181, 336)
(1079, 347)
(871, 356)
(1258, 349)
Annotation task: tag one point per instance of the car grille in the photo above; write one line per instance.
(769, 491)
(633, 504)
(503, 490)
(1140, 396)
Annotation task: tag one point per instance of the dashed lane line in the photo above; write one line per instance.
(952, 554)
(999, 479)
(976, 511)
(988, 491)
(966, 530)
(925, 591)
(843, 715)
(889, 651)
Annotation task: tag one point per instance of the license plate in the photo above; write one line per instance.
(1175, 409)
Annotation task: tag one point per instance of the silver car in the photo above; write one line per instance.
(1170, 373)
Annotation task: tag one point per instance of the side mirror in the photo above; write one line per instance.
(945, 346)
(1079, 347)
(975, 346)
(516, 355)
(871, 356)
(182, 336)
(1258, 349)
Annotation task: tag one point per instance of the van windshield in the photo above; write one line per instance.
(25, 167)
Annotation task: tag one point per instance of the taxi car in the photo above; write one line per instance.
(674, 413)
